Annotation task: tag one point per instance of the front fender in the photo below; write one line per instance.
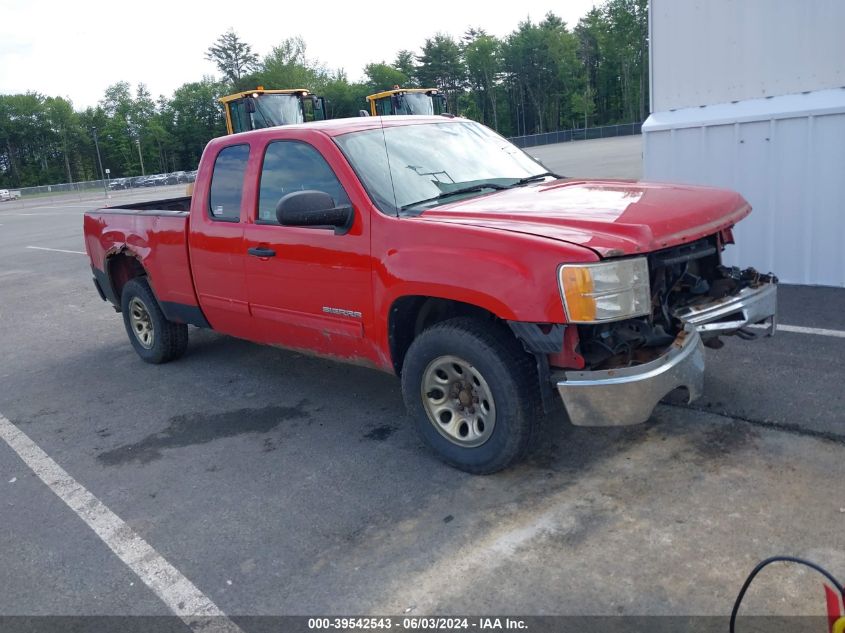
(512, 275)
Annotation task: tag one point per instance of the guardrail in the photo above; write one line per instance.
(577, 134)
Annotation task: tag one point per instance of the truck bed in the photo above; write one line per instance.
(155, 234)
(153, 207)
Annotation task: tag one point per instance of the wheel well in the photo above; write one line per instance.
(411, 315)
(122, 268)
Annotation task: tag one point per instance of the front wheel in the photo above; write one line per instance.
(155, 339)
(472, 392)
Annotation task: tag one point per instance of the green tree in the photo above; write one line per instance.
(613, 50)
(441, 66)
(583, 106)
(233, 57)
(40, 140)
(65, 128)
(344, 99)
(287, 67)
(541, 65)
(147, 136)
(405, 63)
(482, 56)
(542, 76)
(627, 49)
(383, 77)
(116, 139)
(192, 117)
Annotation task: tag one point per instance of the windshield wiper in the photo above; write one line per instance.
(456, 192)
(527, 179)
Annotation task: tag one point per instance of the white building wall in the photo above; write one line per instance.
(750, 95)
(786, 155)
(705, 52)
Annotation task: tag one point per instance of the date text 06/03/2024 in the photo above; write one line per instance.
(415, 623)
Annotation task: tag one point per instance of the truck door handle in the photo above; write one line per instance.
(261, 252)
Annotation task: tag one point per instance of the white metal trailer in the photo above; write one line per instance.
(751, 96)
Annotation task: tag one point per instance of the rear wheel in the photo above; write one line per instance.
(154, 338)
(472, 392)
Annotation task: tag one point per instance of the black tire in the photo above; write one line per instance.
(509, 374)
(168, 341)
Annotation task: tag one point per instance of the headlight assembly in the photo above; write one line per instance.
(605, 291)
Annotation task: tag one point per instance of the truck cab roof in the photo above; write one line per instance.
(337, 127)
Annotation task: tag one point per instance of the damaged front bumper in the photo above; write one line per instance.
(618, 397)
(733, 313)
(628, 395)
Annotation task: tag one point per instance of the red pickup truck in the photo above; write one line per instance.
(434, 249)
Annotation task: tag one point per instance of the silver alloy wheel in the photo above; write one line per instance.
(458, 401)
(142, 323)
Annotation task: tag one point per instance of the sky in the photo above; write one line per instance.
(76, 48)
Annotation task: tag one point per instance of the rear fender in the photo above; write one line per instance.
(121, 265)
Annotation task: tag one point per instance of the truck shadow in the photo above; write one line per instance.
(225, 387)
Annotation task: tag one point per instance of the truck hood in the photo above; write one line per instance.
(610, 217)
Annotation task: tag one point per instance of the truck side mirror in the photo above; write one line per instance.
(314, 208)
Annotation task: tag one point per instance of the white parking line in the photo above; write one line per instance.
(35, 215)
(65, 206)
(56, 250)
(800, 329)
(811, 330)
(180, 595)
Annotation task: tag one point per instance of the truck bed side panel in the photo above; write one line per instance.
(158, 240)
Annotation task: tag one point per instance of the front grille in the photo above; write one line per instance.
(678, 276)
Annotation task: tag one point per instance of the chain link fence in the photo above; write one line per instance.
(91, 189)
(72, 187)
(577, 134)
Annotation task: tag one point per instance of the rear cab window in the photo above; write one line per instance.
(227, 184)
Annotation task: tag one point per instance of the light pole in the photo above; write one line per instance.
(524, 130)
(140, 158)
(586, 97)
(100, 161)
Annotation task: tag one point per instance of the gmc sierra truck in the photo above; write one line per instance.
(432, 248)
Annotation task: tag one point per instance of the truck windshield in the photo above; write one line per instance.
(410, 168)
(272, 110)
(415, 103)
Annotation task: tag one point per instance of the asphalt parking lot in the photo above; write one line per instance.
(282, 484)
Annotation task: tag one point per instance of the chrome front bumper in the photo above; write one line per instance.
(732, 313)
(618, 397)
(628, 395)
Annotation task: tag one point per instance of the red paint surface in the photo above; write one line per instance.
(609, 217)
(498, 251)
(834, 606)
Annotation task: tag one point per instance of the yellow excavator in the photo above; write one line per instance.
(407, 101)
(260, 108)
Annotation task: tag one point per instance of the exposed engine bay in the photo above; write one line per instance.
(684, 280)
